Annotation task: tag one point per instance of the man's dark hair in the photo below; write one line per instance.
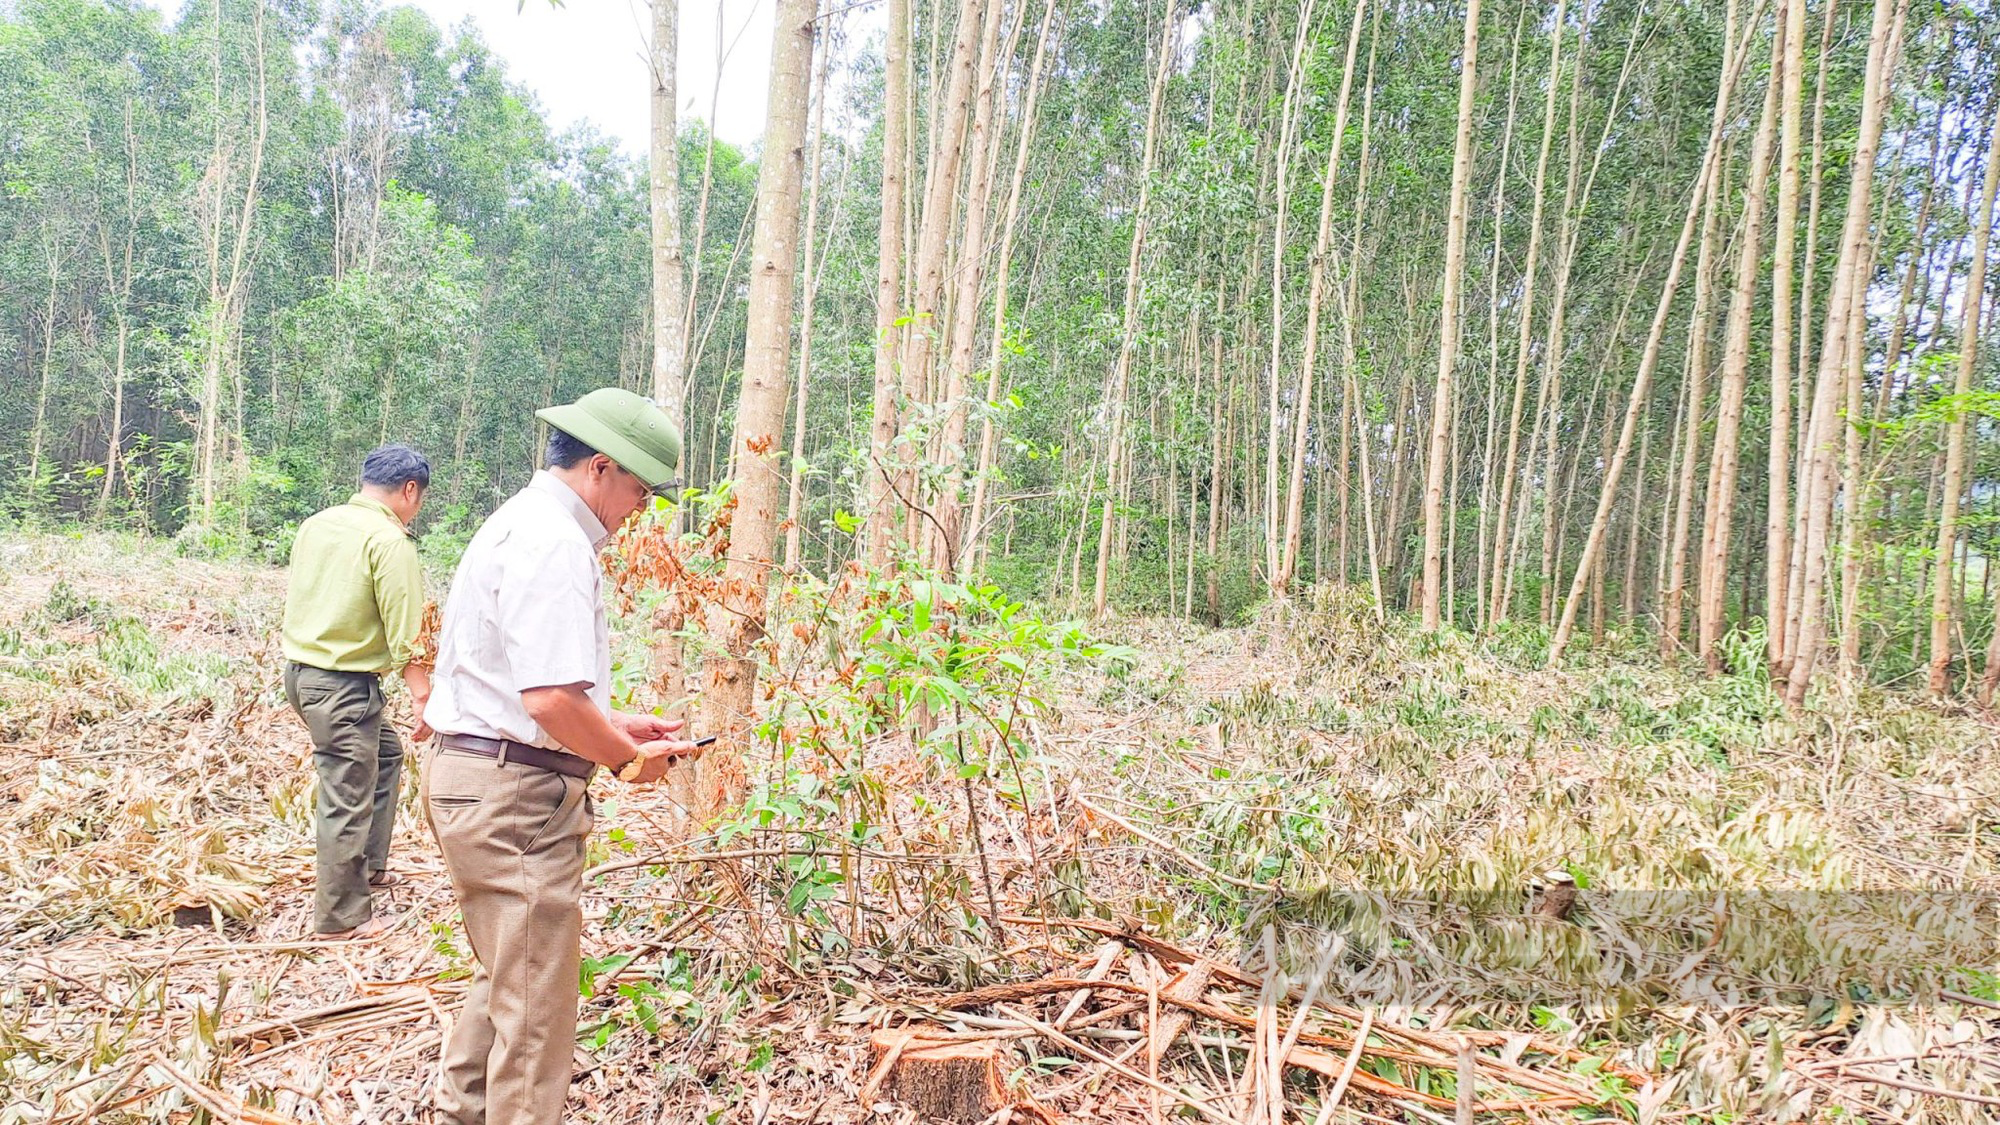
(565, 451)
(392, 466)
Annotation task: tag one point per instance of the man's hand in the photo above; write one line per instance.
(654, 758)
(417, 678)
(645, 728)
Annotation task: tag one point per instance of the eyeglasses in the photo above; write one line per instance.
(665, 491)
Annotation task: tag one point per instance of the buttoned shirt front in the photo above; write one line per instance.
(526, 610)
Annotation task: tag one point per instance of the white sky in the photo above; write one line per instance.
(586, 59)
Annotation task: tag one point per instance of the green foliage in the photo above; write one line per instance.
(957, 670)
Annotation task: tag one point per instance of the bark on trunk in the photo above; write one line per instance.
(1316, 296)
(1714, 572)
(760, 412)
(1697, 372)
(796, 491)
(1129, 331)
(1454, 268)
(1777, 512)
(947, 540)
(1817, 494)
(982, 482)
(1954, 467)
(1649, 361)
(882, 508)
(1288, 120)
(670, 303)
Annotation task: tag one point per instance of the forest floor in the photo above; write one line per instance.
(1314, 869)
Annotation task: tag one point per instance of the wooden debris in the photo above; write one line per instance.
(1188, 986)
(1276, 1048)
(943, 1080)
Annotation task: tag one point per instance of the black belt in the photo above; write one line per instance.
(507, 750)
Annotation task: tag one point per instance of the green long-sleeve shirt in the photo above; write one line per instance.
(356, 595)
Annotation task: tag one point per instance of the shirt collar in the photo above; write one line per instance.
(563, 494)
(378, 507)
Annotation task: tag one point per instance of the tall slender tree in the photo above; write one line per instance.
(1954, 464)
(1454, 273)
(760, 409)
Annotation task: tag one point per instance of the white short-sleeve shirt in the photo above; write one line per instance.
(526, 610)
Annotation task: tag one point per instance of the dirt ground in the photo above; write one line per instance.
(1312, 827)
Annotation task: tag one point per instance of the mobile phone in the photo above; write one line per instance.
(699, 742)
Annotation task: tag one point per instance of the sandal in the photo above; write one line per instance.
(385, 879)
(373, 928)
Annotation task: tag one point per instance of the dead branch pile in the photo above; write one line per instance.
(1142, 1024)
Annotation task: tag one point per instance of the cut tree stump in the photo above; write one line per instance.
(189, 913)
(943, 1080)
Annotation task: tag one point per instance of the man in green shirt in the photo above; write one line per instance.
(352, 612)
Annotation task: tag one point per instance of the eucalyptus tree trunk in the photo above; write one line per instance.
(1530, 272)
(1649, 361)
(760, 411)
(796, 493)
(1399, 474)
(228, 273)
(1777, 520)
(1129, 330)
(1667, 506)
(1316, 296)
(1954, 464)
(1801, 412)
(934, 232)
(1218, 474)
(1454, 270)
(1493, 292)
(52, 252)
(1603, 559)
(947, 539)
(1854, 508)
(1275, 576)
(670, 300)
(118, 280)
(1721, 505)
(1629, 593)
(1699, 324)
(982, 482)
(1817, 487)
(882, 508)
(671, 303)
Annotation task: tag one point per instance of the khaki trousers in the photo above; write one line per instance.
(513, 841)
(359, 760)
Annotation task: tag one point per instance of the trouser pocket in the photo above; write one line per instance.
(568, 813)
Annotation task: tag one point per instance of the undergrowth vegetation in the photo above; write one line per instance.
(1419, 797)
(940, 765)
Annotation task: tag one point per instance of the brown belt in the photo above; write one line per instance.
(508, 750)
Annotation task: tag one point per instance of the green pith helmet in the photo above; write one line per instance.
(625, 427)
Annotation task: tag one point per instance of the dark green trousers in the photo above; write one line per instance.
(360, 765)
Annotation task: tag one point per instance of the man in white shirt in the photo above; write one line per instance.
(521, 701)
